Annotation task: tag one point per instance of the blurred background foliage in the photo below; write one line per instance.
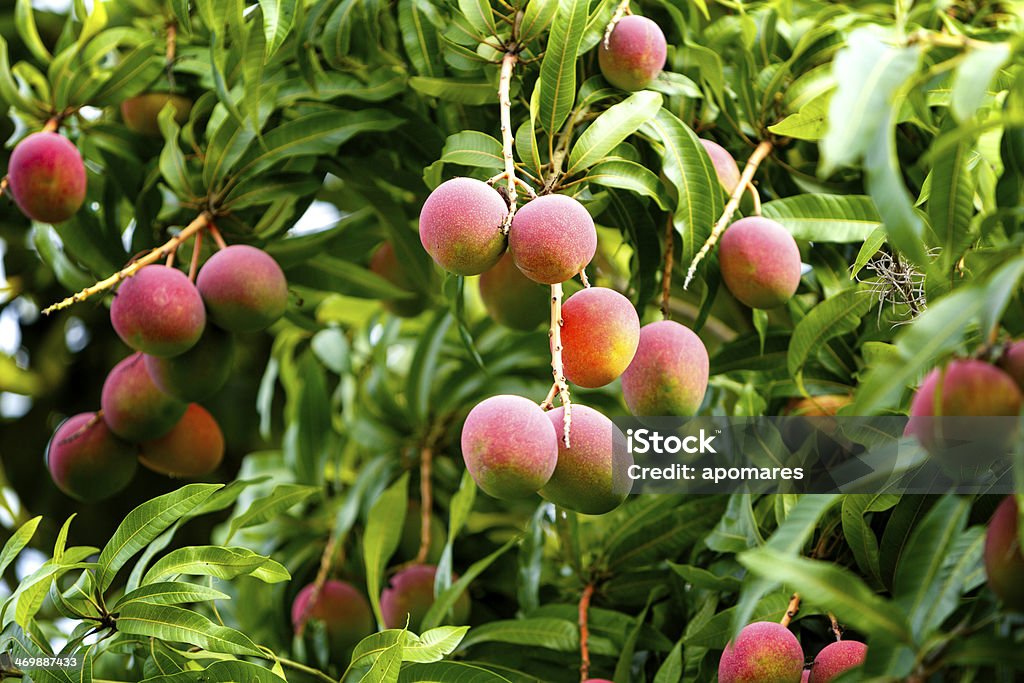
(920, 161)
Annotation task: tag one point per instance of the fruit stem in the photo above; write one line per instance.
(170, 257)
(201, 221)
(666, 270)
(549, 401)
(217, 237)
(588, 593)
(4, 182)
(555, 336)
(791, 611)
(197, 247)
(426, 500)
(754, 195)
(835, 627)
(508, 63)
(326, 561)
(620, 11)
(52, 124)
(584, 279)
(762, 150)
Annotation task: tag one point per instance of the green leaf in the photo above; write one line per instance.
(553, 634)
(226, 671)
(613, 126)
(557, 81)
(832, 587)
(449, 672)
(444, 601)
(419, 36)
(825, 217)
(631, 176)
(314, 134)
(974, 74)
(810, 123)
(869, 72)
(434, 644)
(383, 532)
(479, 15)
(170, 593)
(17, 542)
(173, 166)
(180, 9)
(283, 497)
(278, 20)
(25, 22)
(145, 523)
(689, 170)
(536, 18)
(473, 148)
(916, 585)
(831, 318)
(951, 202)
(886, 187)
(455, 90)
(168, 622)
(218, 561)
(859, 534)
(9, 91)
(423, 368)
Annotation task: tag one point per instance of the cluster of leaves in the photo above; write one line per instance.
(898, 135)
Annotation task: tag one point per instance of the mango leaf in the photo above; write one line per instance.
(868, 71)
(553, 634)
(629, 175)
(473, 148)
(951, 202)
(444, 601)
(282, 498)
(449, 672)
(613, 126)
(834, 587)
(316, 133)
(226, 671)
(479, 15)
(145, 523)
(831, 318)
(278, 20)
(973, 75)
(419, 36)
(536, 18)
(170, 593)
(383, 532)
(810, 123)
(916, 586)
(17, 542)
(178, 624)
(689, 170)
(25, 21)
(455, 90)
(557, 83)
(825, 217)
(217, 561)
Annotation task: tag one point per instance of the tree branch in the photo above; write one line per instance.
(201, 221)
(762, 150)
